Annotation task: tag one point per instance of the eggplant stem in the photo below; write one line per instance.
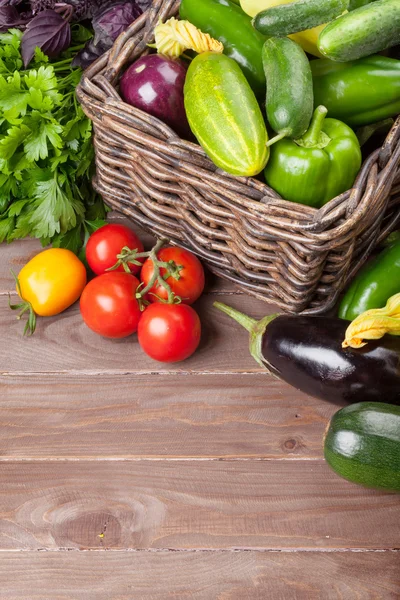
(255, 328)
(247, 322)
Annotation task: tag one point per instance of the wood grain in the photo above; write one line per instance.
(190, 504)
(157, 416)
(199, 576)
(64, 343)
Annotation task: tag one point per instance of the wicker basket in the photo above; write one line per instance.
(295, 256)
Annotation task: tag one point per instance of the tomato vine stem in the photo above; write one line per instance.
(129, 255)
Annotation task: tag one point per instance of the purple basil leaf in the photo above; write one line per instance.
(9, 2)
(49, 31)
(88, 54)
(109, 24)
(10, 17)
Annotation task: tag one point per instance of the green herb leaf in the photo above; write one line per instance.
(12, 140)
(46, 151)
(6, 227)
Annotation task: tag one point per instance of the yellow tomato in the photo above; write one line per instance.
(52, 281)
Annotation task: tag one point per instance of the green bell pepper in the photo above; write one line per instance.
(227, 22)
(319, 166)
(359, 92)
(377, 281)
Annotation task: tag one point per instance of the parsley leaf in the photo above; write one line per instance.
(46, 151)
(12, 140)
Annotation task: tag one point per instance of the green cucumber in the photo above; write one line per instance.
(290, 97)
(224, 115)
(354, 4)
(362, 444)
(285, 19)
(362, 32)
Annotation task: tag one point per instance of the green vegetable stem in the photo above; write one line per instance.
(46, 153)
(319, 166)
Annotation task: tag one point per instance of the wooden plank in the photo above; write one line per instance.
(186, 504)
(64, 343)
(151, 416)
(199, 576)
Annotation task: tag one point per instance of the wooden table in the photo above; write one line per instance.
(125, 479)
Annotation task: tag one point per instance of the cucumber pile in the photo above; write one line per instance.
(279, 89)
(312, 153)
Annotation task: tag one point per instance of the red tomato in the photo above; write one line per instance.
(106, 242)
(109, 306)
(190, 284)
(169, 332)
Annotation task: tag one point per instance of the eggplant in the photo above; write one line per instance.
(154, 84)
(307, 353)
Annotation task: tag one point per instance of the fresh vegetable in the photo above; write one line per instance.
(289, 107)
(113, 20)
(48, 284)
(47, 24)
(374, 324)
(169, 332)
(154, 83)
(49, 31)
(175, 36)
(362, 444)
(354, 4)
(307, 39)
(228, 23)
(109, 305)
(224, 115)
(307, 352)
(109, 20)
(46, 152)
(362, 32)
(293, 17)
(360, 92)
(183, 272)
(319, 166)
(106, 243)
(377, 281)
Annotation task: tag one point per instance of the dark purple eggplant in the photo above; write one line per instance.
(154, 83)
(307, 353)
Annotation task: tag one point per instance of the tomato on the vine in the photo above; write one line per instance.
(169, 332)
(106, 243)
(109, 306)
(186, 275)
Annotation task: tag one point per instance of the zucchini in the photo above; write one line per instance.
(224, 115)
(298, 16)
(362, 444)
(362, 32)
(289, 107)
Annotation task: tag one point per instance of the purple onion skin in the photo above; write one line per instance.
(154, 84)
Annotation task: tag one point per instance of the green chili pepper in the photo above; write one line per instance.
(319, 166)
(359, 92)
(225, 21)
(377, 281)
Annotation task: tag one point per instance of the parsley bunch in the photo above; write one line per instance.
(46, 152)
